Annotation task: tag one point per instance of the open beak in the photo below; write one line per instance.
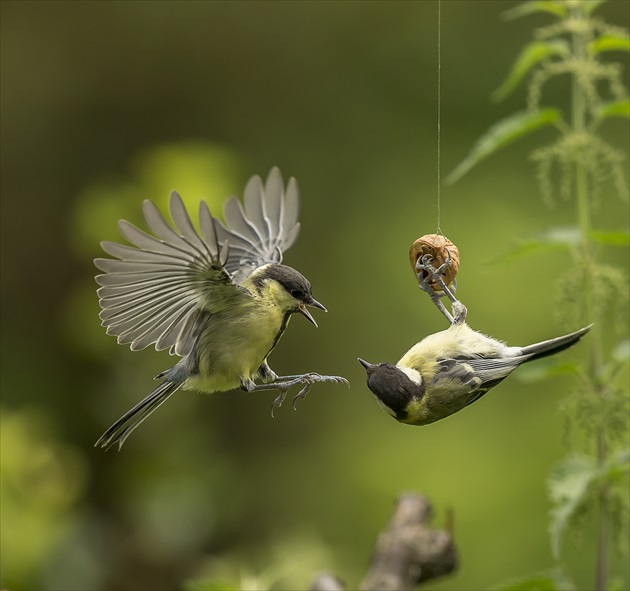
(302, 309)
(364, 363)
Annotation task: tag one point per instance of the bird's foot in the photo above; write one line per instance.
(428, 274)
(459, 312)
(283, 383)
(266, 374)
(277, 403)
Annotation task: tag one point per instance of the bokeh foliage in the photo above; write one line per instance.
(107, 103)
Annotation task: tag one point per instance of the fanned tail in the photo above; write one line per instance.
(124, 426)
(545, 348)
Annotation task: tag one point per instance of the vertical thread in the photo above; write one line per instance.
(439, 114)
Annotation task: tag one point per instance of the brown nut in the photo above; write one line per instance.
(438, 247)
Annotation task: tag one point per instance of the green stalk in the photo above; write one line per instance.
(578, 120)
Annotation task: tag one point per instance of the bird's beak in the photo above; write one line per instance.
(316, 304)
(365, 364)
(302, 309)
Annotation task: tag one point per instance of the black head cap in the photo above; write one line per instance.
(293, 281)
(392, 386)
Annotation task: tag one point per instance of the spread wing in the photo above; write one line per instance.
(264, 228)
(155, 292)
(158, 291)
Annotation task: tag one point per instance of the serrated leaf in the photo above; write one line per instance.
(621, 353)
(544, 369)
(609, 43)
(501, 134)
(620, 238)
(535, 6)
(531, 55)
(613, 109)
(568, 486)
(554, 239)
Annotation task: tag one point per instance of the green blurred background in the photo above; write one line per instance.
(105, 104)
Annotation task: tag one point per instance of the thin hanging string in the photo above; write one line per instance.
(439, 114)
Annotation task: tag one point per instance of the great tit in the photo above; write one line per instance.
(449, 370)
(220, 299)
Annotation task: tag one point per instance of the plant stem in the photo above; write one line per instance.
(578, 120)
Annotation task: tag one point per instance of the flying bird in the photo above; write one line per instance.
(220, 298)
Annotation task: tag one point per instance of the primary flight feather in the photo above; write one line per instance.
(220, 299)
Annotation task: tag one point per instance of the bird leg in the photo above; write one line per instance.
(266, 374)
(427, 273)
(284, 383)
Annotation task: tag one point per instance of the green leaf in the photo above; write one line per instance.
(617, 585)
(621, 353)
(613, 109)
(501, 134)
(554, 239)
(620, 238)
(609, 43)
(530, 56)
(544, 369)
(618, 465)
(535, 6)
(569, 485)
(589, 6)
(553, 580)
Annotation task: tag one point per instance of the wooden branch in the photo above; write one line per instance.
(326, 582)
(410, 552)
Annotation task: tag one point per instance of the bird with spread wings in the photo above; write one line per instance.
(219, 298)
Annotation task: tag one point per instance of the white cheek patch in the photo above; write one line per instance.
(412, 374)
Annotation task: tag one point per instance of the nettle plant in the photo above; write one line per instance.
(582, 166)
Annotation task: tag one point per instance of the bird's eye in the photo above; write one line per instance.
(296, 293)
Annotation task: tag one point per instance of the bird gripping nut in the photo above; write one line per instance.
(439, 248)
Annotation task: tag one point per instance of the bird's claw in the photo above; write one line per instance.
(307, 380)
(301, 394)
(427, 273)
(277, 403)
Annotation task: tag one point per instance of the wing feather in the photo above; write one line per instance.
(158, 291)
(264, 229)
(238, 222)
(491, 369)
(254, 204)
(160, 227)
(153, 293)
(274, 204)
(185, 226)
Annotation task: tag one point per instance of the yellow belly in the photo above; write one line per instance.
(232, 346)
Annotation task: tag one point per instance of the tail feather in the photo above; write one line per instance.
(123, 427)
(545, 348)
